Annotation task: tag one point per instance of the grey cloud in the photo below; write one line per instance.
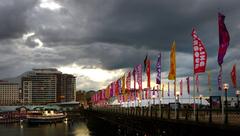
(13, 16)
(113, 35)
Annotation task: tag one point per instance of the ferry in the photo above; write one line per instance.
(46, 116)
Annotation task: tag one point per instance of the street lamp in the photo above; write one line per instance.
(176, 107)
(238, 93)
(153, 97)
(225, 87)
(177, 97)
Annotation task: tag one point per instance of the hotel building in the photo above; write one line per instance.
(42, 86)
(9, 93)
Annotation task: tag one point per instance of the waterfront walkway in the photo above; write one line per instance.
(177, 120)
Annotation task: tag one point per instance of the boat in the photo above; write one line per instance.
(45, 116)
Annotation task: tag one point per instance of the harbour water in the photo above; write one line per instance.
(86, 127)
(76, 128)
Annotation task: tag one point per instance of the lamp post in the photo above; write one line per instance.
(176, 103)
(152, 107)
(225, 87)
(238, 93)
(177, 97)
(153, 97)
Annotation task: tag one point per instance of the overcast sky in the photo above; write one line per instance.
(99, 40)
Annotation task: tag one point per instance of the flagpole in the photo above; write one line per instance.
(160, 104)
(189, 93)
(194, 94)
(222, 95)
(175, 93)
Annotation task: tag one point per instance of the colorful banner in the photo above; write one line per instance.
(188, 85)
(123, 84)
(224, 38)
(128, 81)
(112, 90)
(107, 92)
(146, 93)
(234, 76)
(158, 68)
(120, 86)
(116, 88)
(199, 54)
(139, 76)
(172, 71)
(181, 87)
(220, 79)
(103, 94)
(148, 74)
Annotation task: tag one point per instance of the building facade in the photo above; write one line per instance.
(67, 92)
(9, 93)
(42, 86)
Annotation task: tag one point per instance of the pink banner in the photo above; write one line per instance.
(181, 88)
(139, 76)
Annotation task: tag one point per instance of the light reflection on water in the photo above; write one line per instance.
(81, 130)
(78, 128)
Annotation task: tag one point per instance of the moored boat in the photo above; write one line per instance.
(45, 116)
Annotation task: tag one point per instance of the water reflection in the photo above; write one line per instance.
(76, 128)
(81, 130)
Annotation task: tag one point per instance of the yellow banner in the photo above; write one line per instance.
(172, 71)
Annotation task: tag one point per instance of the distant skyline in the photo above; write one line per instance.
(99, 40)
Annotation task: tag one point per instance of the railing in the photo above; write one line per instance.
(205, 115)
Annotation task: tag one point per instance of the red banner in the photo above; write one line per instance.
(116, 88)
(148, 74)
(224, 38)
(233, 76)
(181, 87)
(199, 54)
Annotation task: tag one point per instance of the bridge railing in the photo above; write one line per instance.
(206, 115)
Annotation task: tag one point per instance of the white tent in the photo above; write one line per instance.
(184, 99)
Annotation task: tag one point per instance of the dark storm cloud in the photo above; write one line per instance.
(112, 34)
(13, 14)
(142, 23)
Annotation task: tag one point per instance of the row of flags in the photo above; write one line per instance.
(121, 88)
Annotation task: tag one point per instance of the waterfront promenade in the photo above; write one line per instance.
(154, 121)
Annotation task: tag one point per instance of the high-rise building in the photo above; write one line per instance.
(42, 86)
(68, 88)
(9, 93)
